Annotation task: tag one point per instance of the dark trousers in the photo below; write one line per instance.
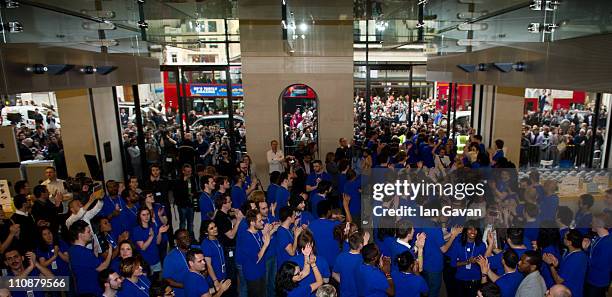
(449, 280)
(468, 288)
(593, 291)
(257, 288)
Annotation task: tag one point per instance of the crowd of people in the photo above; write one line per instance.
(304, 235)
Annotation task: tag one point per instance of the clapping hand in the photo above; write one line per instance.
(456, 230)
(164, 228)
(420, 242)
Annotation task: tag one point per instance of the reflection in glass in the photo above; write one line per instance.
(300, 120)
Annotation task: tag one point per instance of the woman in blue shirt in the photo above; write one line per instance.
(213, 252)
(289, 277)
(147, 239)
(406, 280)
(135, 284)
(374, 276)
(53, 254)
(159, 219)
(464, 254)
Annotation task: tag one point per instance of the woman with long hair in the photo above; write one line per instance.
(158, 219)
(53, 253)
(463, 256)
(147, 239)
(126, 249)
(213, 252)
(289, 278)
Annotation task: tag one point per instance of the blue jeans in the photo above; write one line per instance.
(270, 276)
(434, 282)
(186, 218)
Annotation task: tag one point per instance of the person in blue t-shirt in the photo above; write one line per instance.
(53, 254)
(206, 202)
(251, 247)
(323, 189)
(352, 189)
(128, 216)
(175, 263)
(549, 203)
(196, 283)
(511, 278)
(583, 215)
(499, 151)
(316, 176)
(404, 234)
(147, 239)
(239, 195)
(433, 255)
(113, 206)
(571, 270)
(135, 283)
(406, 279)
(110, 282)
(514, 240)
(271, 190)
(85, 265)
(282, 192)
(374, 275)
(599, 251)
(290, 277)
(213, 252)
(302, 216)
(348, 262)
(286, 237)
(14, 261)
(463, 255)
(323, 232)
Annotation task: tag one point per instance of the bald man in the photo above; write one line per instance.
(558, 291)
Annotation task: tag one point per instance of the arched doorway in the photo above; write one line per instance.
(300, 120)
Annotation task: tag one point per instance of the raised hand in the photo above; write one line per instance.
(31, 259)
(225, 284)
(14, 229)
(490, 238)
(385, 264)
(420, 242)
(456, 230)
(123, 236)
(307, 250)
(238, 214)
(164, 228)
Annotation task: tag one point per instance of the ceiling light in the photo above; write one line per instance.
(303, 27)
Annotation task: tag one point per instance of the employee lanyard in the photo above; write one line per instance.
(568, 254)
(144, 288)
(183, 257)
(594, 244)
(211, 201)
(113, 202)
(257, 240)
(468, 249)
(219, 250)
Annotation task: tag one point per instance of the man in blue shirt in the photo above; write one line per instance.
(323, 232)
(251, 247)
(175, 263)
(302, 216)
(433, 255)
(14, 261)
(571, 271)
(196, 284)
(239, 195)
(372, 280)
(323, 189)
(318, 174)
(599, 251)
(206, 202)
(110, 282)
(348, 263)
(282, 192)
(85, 265)
(583, 215)
(514, 241)
(286, 236)
(113, 206)
(271, 191)
(510, 280)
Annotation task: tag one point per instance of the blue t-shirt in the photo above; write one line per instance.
(34, 273)
(196, 284)
(461, 253)
(248, 246)
(62, 266)
(84, 264)
(303, 290)
(351, 188)
(548, 208)
(130, 289)
(347, 266)
(214, 250)
(509, 283)
(495, 261)
(305, 217)
(600, 261)
(371, 281)
(311, 180)
(545, 269)
(282, 197)
(207, 206)
(573, 270)
(315, 199)
(433, 259)
(583, 222)
(408, 284)
(271, 193)
(239, 196)
(282, 237)
(151, 254)
(128, 218)
(107, 210)
(321, 264)
(176, 268)
(396, 250)
(323, 233)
